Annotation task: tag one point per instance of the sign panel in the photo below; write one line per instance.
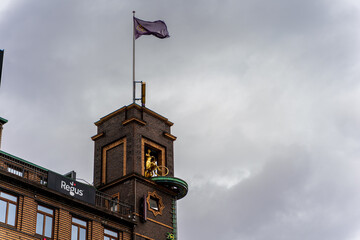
(71, 187)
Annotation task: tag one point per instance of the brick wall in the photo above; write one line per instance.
(64, 224)
(97, 231)
(25, 227)
(28, 218)
(9, 234)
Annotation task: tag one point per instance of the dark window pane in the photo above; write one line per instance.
(154, 204)
(12, 214)
(39, 223)
(48, 226)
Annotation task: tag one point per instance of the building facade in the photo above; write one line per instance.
(134, 194)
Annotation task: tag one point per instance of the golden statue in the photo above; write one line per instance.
(151, 167)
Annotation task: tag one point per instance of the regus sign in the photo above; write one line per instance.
(71, 188)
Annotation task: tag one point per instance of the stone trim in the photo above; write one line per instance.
(107, 148)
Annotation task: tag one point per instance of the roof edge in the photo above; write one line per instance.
(3, 120)
(133, 105)
(22, 160)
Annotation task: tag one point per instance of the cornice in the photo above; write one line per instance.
(131, 106)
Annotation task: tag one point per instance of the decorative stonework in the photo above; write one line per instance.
(104, 159)
(160, 205)
(170, 136)
(97, 136)
(138, 121)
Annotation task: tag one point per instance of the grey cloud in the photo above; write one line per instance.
(263, 94)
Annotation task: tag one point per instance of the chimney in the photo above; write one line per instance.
(2, 122)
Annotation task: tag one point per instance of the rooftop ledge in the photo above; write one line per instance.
(3, 121)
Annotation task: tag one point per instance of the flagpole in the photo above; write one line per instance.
(133, 58)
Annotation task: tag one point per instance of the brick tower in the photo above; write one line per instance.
(134, 163)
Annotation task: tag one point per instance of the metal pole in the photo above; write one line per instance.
(133, 57)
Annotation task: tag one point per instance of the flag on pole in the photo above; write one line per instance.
(1, 62)
(157, 28)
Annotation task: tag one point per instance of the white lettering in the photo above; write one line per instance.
(72, 190)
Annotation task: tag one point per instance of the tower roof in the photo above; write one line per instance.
(133, 105)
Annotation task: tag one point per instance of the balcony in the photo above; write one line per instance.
(106, 202)
(22, 168)
(39, 175)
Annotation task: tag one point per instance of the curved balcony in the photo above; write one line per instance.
(177, 185)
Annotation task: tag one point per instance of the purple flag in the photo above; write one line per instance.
(157, 28)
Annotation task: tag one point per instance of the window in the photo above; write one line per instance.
(154, 203)
(44, 221)
(8, 205)
(78, 229)
(110, 235)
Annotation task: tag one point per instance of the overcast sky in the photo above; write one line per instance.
(265, 97)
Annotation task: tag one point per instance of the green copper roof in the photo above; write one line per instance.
(22, 160)
(3, 120)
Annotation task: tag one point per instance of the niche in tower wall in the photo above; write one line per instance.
(153, 155)
(113, 161)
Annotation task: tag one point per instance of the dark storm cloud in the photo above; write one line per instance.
(264, 96)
